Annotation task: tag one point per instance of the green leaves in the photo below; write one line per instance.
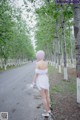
(14, 40)
(47, 27)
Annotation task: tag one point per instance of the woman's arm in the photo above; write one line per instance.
(35, 77)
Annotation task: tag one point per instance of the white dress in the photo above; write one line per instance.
(42, 80)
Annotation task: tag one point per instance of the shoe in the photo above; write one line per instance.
(45, 114)
(48, 111)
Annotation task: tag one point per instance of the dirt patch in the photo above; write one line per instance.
(63, 95)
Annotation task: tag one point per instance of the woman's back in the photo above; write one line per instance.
(42, 65)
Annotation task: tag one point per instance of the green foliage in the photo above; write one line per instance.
(49, 25)
(45, 25)
(14, 40)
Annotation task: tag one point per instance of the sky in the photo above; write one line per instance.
(29, 16)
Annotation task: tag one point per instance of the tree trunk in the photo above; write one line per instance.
(5, 63)
(71, 49)
(77, 45)
(59, 52)
(56, 44)
(64, 51)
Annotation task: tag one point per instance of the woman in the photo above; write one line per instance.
(42, 81)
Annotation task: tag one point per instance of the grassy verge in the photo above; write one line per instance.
(60, 87)
(10, 67)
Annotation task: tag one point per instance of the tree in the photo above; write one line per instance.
(51, 28)
(76, 9)
(14, 38)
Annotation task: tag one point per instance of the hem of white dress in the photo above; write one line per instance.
(43, 88)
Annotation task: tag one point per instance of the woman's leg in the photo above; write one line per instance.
(48, 99)
(45, 103)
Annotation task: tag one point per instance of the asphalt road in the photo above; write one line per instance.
(16, 98)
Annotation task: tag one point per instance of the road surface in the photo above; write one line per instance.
(16, 98)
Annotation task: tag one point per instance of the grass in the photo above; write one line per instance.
(56, 89)
(1, 69)
(10, 67)
(53, 103)
(52, 69)
(62, 85)
(59, 86)
(69, 86)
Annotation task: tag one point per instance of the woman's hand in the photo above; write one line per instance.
(33, 84)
